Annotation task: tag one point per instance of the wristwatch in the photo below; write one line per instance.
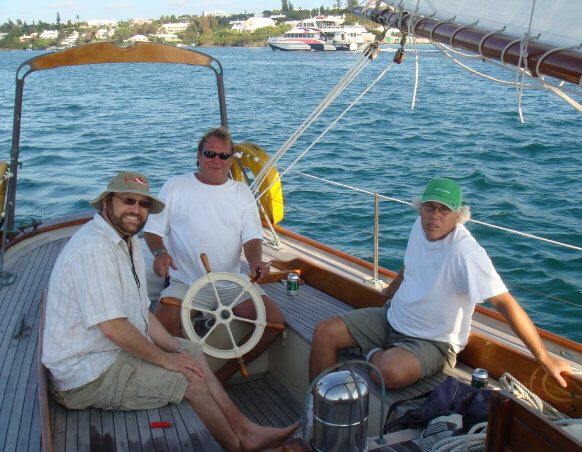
(158, 251)
(180, 349)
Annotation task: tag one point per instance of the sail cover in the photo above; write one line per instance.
(556, 21)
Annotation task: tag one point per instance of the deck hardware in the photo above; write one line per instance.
(372, 51)
(375, 281)
(22, 330)
(7, 278)
(399, 56)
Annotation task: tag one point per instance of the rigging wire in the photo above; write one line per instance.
(520, 74)
(482, 223)
(332, 95)
(400, 201)
(328, 128)
(542, 83)
(417, 62)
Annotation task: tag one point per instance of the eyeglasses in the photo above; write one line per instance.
(144, 204)
(221, 155)
(430, 208)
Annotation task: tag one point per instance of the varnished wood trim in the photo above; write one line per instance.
(349, 291)
(333, 251)
(497, 358)
(107, 52)
(567, 343)
(514, 426)
(53, 225)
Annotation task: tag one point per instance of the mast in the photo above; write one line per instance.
(542, 59)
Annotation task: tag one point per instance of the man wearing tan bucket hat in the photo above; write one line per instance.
(102, 345)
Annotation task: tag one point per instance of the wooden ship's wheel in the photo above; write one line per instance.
(222, 315)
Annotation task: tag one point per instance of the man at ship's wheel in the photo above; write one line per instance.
(206, 212)
(427, 318)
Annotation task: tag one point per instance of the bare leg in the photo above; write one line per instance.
(169, 317)
(246, 309)
(398, 367)
(200, 398)
(252, 436)
(330, 335)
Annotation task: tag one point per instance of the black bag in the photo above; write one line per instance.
(451, 396)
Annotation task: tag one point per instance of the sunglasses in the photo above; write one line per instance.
(144, 204)
(221, 155)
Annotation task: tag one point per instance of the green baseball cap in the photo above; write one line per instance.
(444, 190)
(129, 182)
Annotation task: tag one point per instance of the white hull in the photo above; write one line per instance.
(296, 44)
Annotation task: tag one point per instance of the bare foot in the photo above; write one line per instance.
(258, 437)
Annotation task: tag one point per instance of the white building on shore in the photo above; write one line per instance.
(174, 28)
(70, 40)
(49, 34)
(252, 24)
(168, 37)
(102, 23)
(104, 33)
(138, 38)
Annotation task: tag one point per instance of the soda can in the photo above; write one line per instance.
(480, 378)
(292, 283)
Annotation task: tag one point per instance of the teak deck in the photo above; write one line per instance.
(263, 398)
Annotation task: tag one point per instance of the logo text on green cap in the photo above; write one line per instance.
(445, 191)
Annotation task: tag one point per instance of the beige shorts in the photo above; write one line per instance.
(130, 383)
(206, 296)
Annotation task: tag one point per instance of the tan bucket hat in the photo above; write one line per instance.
(129, 182)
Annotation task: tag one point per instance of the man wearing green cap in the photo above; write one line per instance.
(427, 318)
(102, 345)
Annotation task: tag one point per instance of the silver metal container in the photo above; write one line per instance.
(338, 421)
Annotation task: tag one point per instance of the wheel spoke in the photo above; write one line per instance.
(219, 303)
(230, 335)
(244, 290)
(244, 319)
(205, 310)
(211, 329)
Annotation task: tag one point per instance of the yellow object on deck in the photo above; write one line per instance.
(253, 158)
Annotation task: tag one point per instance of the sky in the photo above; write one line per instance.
(46, 10)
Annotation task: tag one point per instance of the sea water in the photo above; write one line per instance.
(80, 125)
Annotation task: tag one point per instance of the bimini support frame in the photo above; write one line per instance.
(99, 53)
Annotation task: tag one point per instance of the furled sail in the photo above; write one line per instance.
(497, 30)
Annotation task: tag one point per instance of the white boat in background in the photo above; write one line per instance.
(300, 38)
(322, 33)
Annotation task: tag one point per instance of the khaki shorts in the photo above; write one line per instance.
(371, 329)
(130, 383)
(206, 296)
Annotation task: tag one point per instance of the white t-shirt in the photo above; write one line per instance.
(202, 218)
(92, 281)
(443, 280)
